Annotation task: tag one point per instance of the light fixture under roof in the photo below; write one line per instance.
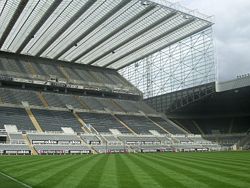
(145, 3)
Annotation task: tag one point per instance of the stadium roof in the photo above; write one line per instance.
(104, 33)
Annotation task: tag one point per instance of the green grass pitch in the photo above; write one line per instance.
(194, 170)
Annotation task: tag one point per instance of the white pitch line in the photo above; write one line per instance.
(15, 180)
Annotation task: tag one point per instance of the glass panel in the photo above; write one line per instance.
(185, 64)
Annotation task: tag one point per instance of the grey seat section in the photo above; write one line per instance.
(15, 116)
(139, 124)
(14, 147)
(168, 126)
(16, 96)
(92, 102)
(58, 137)
(51, 120)
(61, 148)
(102, 122)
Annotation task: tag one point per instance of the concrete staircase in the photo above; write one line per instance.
(33, 151)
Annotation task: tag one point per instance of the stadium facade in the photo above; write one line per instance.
(61, 91)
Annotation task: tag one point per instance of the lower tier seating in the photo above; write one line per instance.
(53, 138)
(111, 149)
(15, 116)
(14, 149)
(61, 149)
(167, 125)
(51, 120)
(102, 122)
(139, 124)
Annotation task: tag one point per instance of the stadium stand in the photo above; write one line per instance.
(111, 149)
(77, 102)
(53, 120)
(16, 138)
(91, 139)
(220, 116)
(14, 149)
(54, 139)
(139, 124)
(169, 126)
(152, 148)
(15, 116)
(138, 140)
(61, 149)
(102, 123)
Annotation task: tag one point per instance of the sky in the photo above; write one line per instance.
(231, 34)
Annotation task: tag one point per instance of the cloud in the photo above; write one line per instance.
(231, 32)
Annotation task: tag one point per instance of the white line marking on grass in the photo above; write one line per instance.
(15, 180)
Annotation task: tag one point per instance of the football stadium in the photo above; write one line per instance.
(117, 93)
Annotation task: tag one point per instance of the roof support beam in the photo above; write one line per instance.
(13, 20)
(151, 41)
(134, 36)
(165, 46)
(93, 27)
(127, 23)
(77, 15)
(46, 15)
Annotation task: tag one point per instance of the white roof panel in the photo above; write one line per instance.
(104, 33)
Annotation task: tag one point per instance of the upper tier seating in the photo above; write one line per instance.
(103, 122)
(61, 100)
(169, 126)
(51, 120)
(16, 96)
(140, 124)
(30, 68)
(15, 116)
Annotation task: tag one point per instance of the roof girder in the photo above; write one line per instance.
(130, 21)
(66, 26)
(89, 30)
(151, 41)
(165, 46)
(13, 20)
(46, 15)
(134, 36)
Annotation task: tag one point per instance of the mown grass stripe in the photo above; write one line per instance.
(14, 180)
(195, 167)
(243, 162)
(144, 179)
(157, 175)
(109, 177)
(190, 178)
(125, 177)
(13, 167)
(216, 159)
(74, 179)
(94, 174)
(53, 176)
(35, 171)
(219, 164)
(17, 161)
(228, 173)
